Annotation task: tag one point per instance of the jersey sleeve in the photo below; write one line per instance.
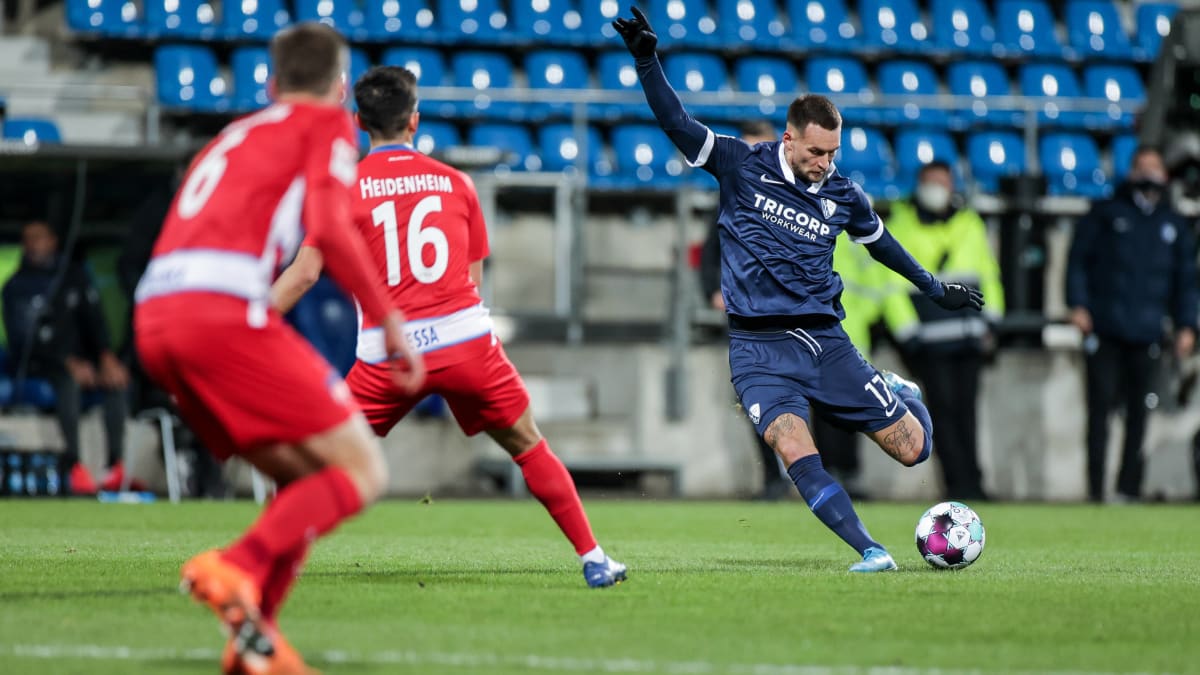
(477, 246)
(330, 172)
(716, 153)
(865, 226)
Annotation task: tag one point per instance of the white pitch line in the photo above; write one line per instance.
(478, 661)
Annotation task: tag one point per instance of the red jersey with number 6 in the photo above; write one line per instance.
(424, 228)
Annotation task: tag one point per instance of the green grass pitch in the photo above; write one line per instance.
(491, 587)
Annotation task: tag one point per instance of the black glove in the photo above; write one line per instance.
(638, 35)
(959, 296)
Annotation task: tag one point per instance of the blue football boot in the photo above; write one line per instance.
(603, 574)
(874, 560)
(898, 384)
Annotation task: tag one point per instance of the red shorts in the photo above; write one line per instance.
(241, 388)
(483, 391)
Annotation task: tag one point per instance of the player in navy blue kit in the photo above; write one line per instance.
(782, 205)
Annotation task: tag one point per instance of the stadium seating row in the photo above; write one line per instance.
(640, 156)
(189, 78)
(1093, 28)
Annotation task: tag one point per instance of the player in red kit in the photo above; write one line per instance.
(245, 381)
(425, 231)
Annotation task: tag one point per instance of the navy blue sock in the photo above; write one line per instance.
(830, 502)
(917, 407)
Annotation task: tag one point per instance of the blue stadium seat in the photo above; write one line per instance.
(31, 130)
(963, 26)
(766, 76)
(1071, 164)
(557, 69)
(38, 393)
(694, 73)
(180, 18)
(1094, 30)
(326, 318)
(512, 139)
(993, 155)
(917, 147)
(750, 22)
(1027, 27)
(1054, 83)
(904, 79)
(1117, 85)
(560, 148)
(1153, 24)
(250, 66)
(409, 20)
(683, 22)
(866, 158)
(429, 67)
(187, 77)
(548, 21)
(111, 18)
(616, 72)
(822, 24)
(344, 15)
(893, 25)
(259, 19)
(434, 137)
(1123, 148)
(644, 157)
(485, 71)
(837, 76)
(479, 21)
(984, 81)
(597, 17)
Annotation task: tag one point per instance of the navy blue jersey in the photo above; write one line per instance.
(777, 235)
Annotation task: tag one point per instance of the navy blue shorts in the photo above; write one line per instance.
(787, 371)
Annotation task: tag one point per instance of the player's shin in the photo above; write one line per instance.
(307, 509)
(829, 502)
(917, 407)
(552, 485)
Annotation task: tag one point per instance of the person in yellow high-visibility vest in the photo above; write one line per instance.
(945, 349)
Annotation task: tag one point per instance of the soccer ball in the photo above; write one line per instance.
(950, 536)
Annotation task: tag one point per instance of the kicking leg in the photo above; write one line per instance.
(789, 436)
(552, 485)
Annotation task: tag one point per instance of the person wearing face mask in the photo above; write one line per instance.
(55, 325)
(947, 350)
(1132, 266)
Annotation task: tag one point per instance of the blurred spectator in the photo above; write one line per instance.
(56, 330)
(947, 350)
(775, 482)
(1132, 266)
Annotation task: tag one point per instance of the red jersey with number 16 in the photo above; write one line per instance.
(424, 228)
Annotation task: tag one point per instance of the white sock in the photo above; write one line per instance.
(595, 555)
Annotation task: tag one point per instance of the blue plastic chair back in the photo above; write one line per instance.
(963, 26)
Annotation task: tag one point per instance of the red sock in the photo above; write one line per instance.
(550, 482)
(283, 576)
(307, 509)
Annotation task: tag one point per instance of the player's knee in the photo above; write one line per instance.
(918, 451)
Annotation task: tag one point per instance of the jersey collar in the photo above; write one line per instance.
(394, 147)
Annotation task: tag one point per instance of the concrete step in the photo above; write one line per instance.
(26, 54)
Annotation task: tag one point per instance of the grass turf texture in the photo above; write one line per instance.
(472, 587)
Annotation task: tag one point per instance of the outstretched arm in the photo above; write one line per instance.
(691, 137)
(866, 227)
